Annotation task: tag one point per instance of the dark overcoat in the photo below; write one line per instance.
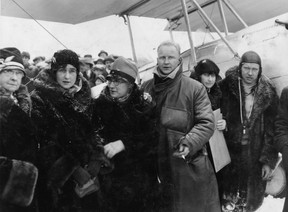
(185, 116)
(17, 146)
(247, 175)
(133, 180)
(66, 140)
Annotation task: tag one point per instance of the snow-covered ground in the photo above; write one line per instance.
(271, 204)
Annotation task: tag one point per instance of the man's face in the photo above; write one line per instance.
(250, 73)
(10, 80)
(25, 61)
(168, 59)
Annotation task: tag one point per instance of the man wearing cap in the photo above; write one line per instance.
(86, 64)
(108, 61)
(249, 107)
(102, 54)
(18, 175)
(185, 124)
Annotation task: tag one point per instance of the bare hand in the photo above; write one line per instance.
(221, 124)
(266, 172)
(113, 148)
(182, 152)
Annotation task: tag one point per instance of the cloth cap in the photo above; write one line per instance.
(88, 61)
(109, 58)
(11, 58)
(206, 66)
(102, 51)
(39, 58)
(64, 57)
(125, 68)
(25, 54)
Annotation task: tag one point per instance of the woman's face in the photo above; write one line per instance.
(118, 87)
(208, 80)
(66, 77)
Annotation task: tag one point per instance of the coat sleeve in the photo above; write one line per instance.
(281, 123)
(203, 127)
(269, 154)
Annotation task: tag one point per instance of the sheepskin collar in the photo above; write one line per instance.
(265, 93)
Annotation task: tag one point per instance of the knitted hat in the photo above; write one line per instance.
(10, 58)
(64, 57)
(124, 68)
(206, 66)
(250, 57)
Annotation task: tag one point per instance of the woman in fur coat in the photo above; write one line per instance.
(250, 107)
(124, 115)
(18, 175)
(70, 153)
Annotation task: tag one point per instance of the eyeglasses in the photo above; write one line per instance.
(116, 80)
(11, 72)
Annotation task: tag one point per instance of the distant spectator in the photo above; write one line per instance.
(99, 60)
(100, 79)
(86, 64)
(102, 54)
(25, 58)
(38, 59)
(99, 69)
(108, 61)
(88, 56)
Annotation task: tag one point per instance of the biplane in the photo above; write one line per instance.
(259, 25)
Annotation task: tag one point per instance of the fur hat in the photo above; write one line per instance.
(10, 58)
(206, 66)
(124, 68)
(251, 57)
(64, 57)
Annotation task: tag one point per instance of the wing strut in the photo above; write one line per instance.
(192, 49)
(215, 27)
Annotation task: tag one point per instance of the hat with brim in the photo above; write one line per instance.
(124, 68)
(11, 59)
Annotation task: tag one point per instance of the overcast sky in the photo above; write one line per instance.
(110, 34)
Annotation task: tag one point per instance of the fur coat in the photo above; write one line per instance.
(66, 138)
(246, 175)
(18, 175)
(134, 176)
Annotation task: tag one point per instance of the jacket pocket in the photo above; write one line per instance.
(175, 119)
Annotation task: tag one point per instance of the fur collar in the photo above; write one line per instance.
(138, 100)
(21, 97)
(265, 92)
(48, 87)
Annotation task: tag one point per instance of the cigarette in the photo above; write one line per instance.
(183, 157)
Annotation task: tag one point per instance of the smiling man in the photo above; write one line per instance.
(185, 124)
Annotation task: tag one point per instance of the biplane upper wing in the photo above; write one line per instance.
(75, 11)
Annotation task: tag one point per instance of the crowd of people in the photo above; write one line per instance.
(135, 147)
